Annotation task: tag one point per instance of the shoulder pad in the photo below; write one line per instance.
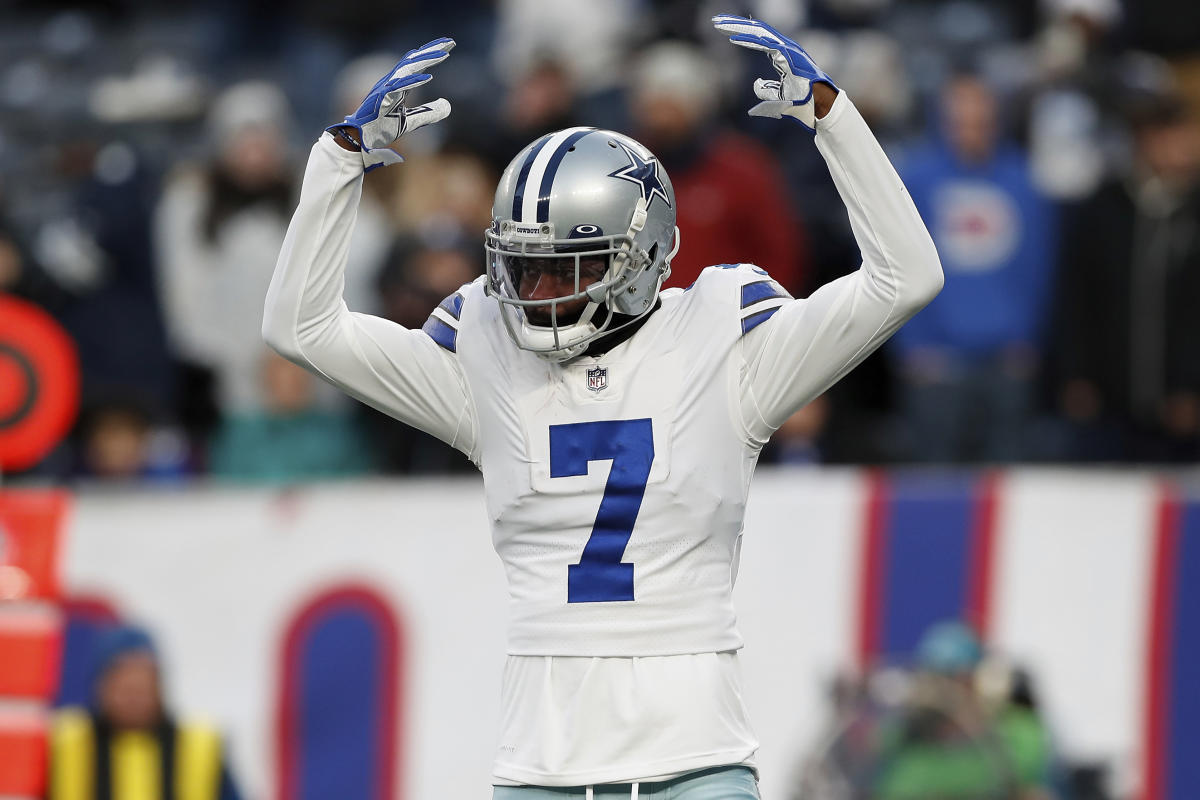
(757, 294)
(760, 298)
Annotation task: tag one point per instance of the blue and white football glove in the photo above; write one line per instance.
(791, 95)
(383, 118)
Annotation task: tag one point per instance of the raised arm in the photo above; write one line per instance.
(807, 345)
(404, 373)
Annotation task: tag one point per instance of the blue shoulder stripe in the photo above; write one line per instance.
(441, 333)
(754, 320)
(452, 305)
(761, 290)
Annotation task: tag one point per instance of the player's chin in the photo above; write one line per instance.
(540, 317)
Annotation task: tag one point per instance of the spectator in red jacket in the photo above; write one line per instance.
(733, 205)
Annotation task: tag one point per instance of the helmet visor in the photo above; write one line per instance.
(551, 286)
(556, 295)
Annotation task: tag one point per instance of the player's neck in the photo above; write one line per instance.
(624, 330)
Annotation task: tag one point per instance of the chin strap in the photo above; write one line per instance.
(640, 213)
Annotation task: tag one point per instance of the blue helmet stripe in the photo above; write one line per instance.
(543, 206)
(523, 175)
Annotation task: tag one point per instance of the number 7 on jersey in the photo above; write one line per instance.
(600, 576)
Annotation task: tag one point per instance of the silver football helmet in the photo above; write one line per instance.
(595, 209)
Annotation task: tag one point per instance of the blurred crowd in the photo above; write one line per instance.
(953, 722)
(150, 157)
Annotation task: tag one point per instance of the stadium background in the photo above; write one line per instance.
(319, 578)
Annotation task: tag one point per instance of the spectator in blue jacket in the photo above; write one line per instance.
(967, 362)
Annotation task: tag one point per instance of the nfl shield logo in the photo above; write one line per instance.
(597, 378)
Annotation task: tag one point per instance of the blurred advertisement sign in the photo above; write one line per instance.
(39, 384)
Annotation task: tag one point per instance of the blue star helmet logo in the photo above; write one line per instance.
(643, 172)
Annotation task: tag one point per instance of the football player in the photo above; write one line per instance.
(616, 425)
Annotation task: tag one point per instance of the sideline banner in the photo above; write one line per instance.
(31, 632)
(378, 609)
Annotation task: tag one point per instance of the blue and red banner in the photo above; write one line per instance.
(926, 558)
(338, 712)
(1172, 725)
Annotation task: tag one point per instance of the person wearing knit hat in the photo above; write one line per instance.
(126, 745)
(125, 684)
(218, 227)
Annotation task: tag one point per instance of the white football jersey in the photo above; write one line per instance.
(616, 485)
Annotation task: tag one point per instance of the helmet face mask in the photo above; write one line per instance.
(571, 272)
(590, 274)
(589, 244)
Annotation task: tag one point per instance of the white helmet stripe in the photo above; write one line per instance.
(530, 201)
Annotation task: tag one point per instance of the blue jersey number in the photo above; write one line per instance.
(600, 577)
